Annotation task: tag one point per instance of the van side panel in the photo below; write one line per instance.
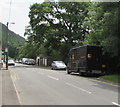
(82, 59)
(77, 58)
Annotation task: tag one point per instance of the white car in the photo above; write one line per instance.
(58, 65)
(1, 63)
(30, 62)
(11, 62)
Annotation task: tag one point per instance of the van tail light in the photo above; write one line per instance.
(89, 56)
(103, 66)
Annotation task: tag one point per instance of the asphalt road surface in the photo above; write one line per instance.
(0, 88)
(39, 86)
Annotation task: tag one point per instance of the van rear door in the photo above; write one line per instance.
(94, 56)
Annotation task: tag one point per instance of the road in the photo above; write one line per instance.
(39, 86)
(0, 88)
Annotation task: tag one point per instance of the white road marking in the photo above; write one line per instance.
(52, 77)
(116, 104)
(79, 88)
(16, 90)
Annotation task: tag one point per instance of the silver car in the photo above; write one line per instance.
(30, 62)
(11, 62)
(1, 64)
(58, 65)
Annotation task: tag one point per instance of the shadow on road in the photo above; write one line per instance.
(23, 66)
(87, 76)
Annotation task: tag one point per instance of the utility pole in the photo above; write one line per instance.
(0, 41)
(6, 49)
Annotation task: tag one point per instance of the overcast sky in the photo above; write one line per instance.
(18, 15)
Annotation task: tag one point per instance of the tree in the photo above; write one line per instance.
(104, 29)
(28, 50)
(58, 24)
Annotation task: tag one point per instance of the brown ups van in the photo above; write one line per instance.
(86, 60)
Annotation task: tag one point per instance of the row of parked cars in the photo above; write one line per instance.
(56, 65)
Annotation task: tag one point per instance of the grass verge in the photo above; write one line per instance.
(112, 78)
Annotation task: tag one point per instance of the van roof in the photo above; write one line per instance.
(84, 46)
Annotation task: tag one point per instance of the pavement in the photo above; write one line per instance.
(8, 94)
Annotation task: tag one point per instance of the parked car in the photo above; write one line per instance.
(58, 65)
(1, 63)
(30, 62)
(24, 60)
(19, 61)
(11, 62)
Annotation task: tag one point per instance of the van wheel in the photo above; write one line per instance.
(68, 71)
(81, 73)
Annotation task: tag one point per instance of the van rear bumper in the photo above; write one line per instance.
(96, 72)
(87, 71)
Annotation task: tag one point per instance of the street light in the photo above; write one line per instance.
(6, 49)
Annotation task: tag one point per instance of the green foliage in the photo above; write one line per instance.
(104, 22)
(28, 50)
(58, 26)
(112, 78)
(13, 40)
(104, 29)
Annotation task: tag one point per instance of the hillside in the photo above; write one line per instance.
(14, 40)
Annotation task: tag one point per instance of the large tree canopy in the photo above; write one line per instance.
(66, 20)
(104, 26)
(58, 24)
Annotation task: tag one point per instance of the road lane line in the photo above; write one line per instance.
(16, 90)
(79, 88)
(52, 77)
(116, 104)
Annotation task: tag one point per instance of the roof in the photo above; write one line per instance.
(83, 46)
